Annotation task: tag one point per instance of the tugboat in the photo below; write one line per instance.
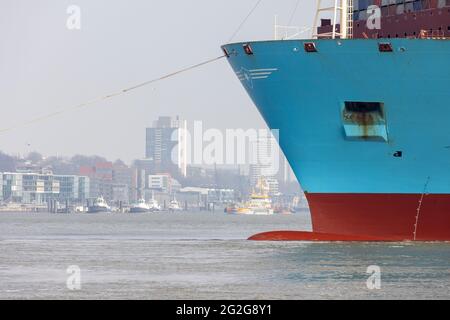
(259, 203)
(140, 206)
(99, 205)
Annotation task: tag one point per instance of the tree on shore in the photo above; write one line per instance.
(7, 162)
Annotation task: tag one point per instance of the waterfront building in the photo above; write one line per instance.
(104, 180)
(107, 178)
(141, 169)
(114, 182)
(163, 183)
(40, 188)
(72, 188)
(123, 182)
(120, 193)
(166, 145)
(265, 162)
(201, 197)
(273, 186)
(159, 182)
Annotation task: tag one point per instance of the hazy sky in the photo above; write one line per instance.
(45, 66)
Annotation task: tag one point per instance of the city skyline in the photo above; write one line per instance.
(73, 66)
(166, 153)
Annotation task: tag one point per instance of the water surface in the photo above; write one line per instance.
(200, 255)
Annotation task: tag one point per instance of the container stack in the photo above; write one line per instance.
(362, 8)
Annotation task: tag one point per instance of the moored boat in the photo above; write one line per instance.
(99, 205)
(174, 205)
(140, 207)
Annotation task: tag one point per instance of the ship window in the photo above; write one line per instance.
(363, 107)
(364, 121)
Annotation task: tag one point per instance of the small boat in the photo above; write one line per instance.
(99, 205)
(140, 206)
(280, 209)
(154, 205)
(232, 209)
(174, 205)
(79, 209)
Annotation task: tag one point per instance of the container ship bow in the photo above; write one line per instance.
(363, 119)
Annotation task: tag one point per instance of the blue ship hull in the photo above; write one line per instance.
(381, 172)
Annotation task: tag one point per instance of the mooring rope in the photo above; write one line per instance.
(416, 224)
(244, 21)
(293, 13)
(108, 96)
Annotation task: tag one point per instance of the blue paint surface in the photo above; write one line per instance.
(302, 95)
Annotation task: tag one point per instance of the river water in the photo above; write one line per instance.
(200, 255)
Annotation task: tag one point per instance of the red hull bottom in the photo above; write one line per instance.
(373, 217)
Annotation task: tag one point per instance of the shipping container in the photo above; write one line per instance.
(362, 15)
(392, 9)
(400, 9)
(427, 4)
(417, 5)
(409, 7)
(363, 4)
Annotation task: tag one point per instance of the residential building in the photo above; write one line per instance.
(273, 185)
(163, 183)
(39, 188)
(265, 162)
(159, 182)
(123, 183)
(166, 145)
(141, 169)
(101, 177)
(201, 197)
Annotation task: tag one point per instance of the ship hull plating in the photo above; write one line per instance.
(386, 216)
(379, 171)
